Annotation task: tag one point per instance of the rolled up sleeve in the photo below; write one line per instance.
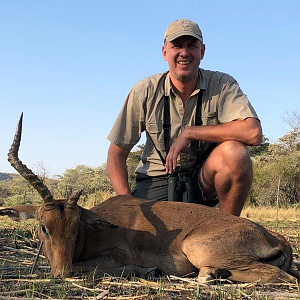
(233, 104)
(130, 123)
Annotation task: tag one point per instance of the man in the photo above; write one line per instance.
(198, 123)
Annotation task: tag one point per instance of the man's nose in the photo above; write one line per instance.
(184, 51)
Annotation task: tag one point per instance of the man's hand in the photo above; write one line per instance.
(179, 144)
(246, 131)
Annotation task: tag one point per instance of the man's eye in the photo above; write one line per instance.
(192, 46)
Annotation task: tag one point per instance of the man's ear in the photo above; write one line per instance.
(93, 220)
(202, 51)
(164, 52)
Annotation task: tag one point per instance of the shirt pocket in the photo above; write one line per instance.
(210, 118)
(156, 132)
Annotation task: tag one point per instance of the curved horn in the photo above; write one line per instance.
(23, 170)
(72, 201)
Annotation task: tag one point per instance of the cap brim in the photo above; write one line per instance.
(176, 35)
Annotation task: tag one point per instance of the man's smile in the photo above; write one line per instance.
(185, 62)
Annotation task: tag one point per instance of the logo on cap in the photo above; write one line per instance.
(185, 25)
(182, 27)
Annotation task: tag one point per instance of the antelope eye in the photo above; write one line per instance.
(44, 229)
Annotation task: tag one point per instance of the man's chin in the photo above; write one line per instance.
(184, 78)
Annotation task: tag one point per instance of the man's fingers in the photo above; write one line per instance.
(174, 165)
(169, 166)
(175, 149)
(169, 163)
(171, 160)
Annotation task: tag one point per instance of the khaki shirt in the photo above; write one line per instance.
(223, 101)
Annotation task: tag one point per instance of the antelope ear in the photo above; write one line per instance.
(94, 220)
(20, 213)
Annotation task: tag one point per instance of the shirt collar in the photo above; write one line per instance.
(199, 86)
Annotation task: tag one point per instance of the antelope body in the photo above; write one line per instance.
(176, 238)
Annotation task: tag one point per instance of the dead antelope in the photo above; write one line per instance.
(176, 238)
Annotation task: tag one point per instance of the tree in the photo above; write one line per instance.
(292, 119)
(132, 161)
(281, 161)
(79, 178)
(19, 191)
(262, 148)
(4, 191)
(291, 141)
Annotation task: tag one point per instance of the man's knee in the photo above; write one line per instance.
(235, 156)
(228, 160)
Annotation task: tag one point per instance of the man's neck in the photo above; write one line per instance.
(183, 89)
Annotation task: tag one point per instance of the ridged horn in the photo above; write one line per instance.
(23, 169)
(72, 201)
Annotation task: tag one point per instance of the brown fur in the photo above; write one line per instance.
(176, 238)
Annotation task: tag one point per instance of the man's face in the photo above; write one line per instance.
(183, 56)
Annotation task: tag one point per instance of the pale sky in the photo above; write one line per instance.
(69, 65)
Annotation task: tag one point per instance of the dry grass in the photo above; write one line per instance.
(94, 199)
(270, 213)
(18, 246)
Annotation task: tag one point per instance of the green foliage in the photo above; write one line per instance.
(78, 178)
(16, 191)
(94, 182)
(261, 149)
(132, 162)
(271, 162)
(279, 164)
(4, 192)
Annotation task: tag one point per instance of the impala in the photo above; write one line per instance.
(176, 238)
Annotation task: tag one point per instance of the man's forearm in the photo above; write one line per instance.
(117, 169)
(245, 131)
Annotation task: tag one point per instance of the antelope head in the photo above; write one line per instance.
(61, 222)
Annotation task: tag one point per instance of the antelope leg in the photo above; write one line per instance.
(261, 272)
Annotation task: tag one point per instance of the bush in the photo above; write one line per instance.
(280, 163)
